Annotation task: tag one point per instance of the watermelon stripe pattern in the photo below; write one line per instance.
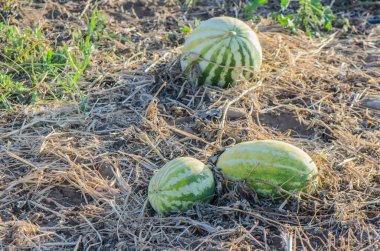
(225, 50)
(266, 165)
(179, 184)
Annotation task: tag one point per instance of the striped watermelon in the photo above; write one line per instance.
(266, 165)
(221, 51)
(179, 184)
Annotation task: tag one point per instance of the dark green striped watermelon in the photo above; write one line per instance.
(179, 184)
(221, 51)
(267, 165)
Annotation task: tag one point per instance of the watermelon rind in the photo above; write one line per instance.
(220, 52)
(179, 184)
(270, 167)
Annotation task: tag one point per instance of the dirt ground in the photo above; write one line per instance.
(78, 181)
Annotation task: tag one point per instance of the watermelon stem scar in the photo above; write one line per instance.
(232, 33)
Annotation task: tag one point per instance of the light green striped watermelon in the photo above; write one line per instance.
(179, 184)
(221, 51)
(266, 165)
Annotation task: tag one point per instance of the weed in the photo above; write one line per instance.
(252, 6)
(32, 69)
(310, 15)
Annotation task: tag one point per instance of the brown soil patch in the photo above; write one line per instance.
(284, 121)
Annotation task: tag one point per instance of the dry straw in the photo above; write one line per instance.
(72, 181)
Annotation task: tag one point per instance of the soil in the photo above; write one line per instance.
(284, 121)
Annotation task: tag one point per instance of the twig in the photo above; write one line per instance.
(92, 226)
(85, 8)
(31, 242)
(78, 243)
(6, 135)
(225, 111)
(145, 138)
(157, 61)
(192, 136)
(22, 160)
(52, 244)
(46, 209)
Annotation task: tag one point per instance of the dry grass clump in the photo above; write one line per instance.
(72, 181)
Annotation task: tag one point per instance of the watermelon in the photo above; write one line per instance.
(179, 184)
(221, 51)
(270, 167)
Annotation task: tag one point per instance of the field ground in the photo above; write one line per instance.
(74, 170)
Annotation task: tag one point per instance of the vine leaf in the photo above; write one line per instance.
(284, 4)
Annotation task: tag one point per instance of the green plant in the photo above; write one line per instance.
(32, 69)
(252, 6)
(184, 29)
(310, 15)
(14, 89)
(188, 29)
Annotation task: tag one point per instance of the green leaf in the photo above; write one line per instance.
(256, 3)
(185, 29)
(312, 16)
(328, 26)
(284, 4)
(316, 3)
(287, 21)
(282, 19)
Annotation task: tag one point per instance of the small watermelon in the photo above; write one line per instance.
(221, 51)
(179, 184)
(267, 165)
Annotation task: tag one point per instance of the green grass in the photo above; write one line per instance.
(33, 69)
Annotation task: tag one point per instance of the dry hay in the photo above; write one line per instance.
(73, 181)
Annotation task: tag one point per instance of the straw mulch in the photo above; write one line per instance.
(78, 181)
